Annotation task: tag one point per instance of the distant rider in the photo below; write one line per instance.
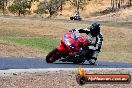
(76, 15)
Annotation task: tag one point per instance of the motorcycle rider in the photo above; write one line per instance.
(76, 16)
(94, 37)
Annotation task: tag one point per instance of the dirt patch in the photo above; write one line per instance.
(7, 49)
(36, 27)
(121, 15)
(56, 79)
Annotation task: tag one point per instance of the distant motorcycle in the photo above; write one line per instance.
(73, 53)
(75, 18)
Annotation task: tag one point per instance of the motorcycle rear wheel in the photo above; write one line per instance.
(92, 61)
(78, 62)
(52, 56)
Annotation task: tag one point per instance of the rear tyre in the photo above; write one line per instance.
(78, 62)
(92, 61)
(80, 19)
(52, 56)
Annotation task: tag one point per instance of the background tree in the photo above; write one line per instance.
(28, 4)
(3, 4)
(117, 4)
(16, 7)
(51, 7)
(122, 2)
(20, 6)
(130, 2)
(78, 4)
(113, 4)
(61, 6)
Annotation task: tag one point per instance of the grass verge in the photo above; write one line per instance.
(41, 43)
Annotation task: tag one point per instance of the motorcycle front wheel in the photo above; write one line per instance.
(53, 56)
(71, 18)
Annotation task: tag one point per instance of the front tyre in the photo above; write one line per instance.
(53, 56)
(71, 18)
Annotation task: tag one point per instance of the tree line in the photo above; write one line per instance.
(23, 7)
(117, 4)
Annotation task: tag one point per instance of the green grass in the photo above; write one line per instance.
(41, 43)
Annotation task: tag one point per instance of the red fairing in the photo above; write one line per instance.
(61, 48)
(77, 42)
(83, 41)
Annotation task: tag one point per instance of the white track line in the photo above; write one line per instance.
(59, 69)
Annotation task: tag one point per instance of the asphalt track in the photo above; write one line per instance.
(39, 63)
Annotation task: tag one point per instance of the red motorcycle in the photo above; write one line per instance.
(70, 50)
